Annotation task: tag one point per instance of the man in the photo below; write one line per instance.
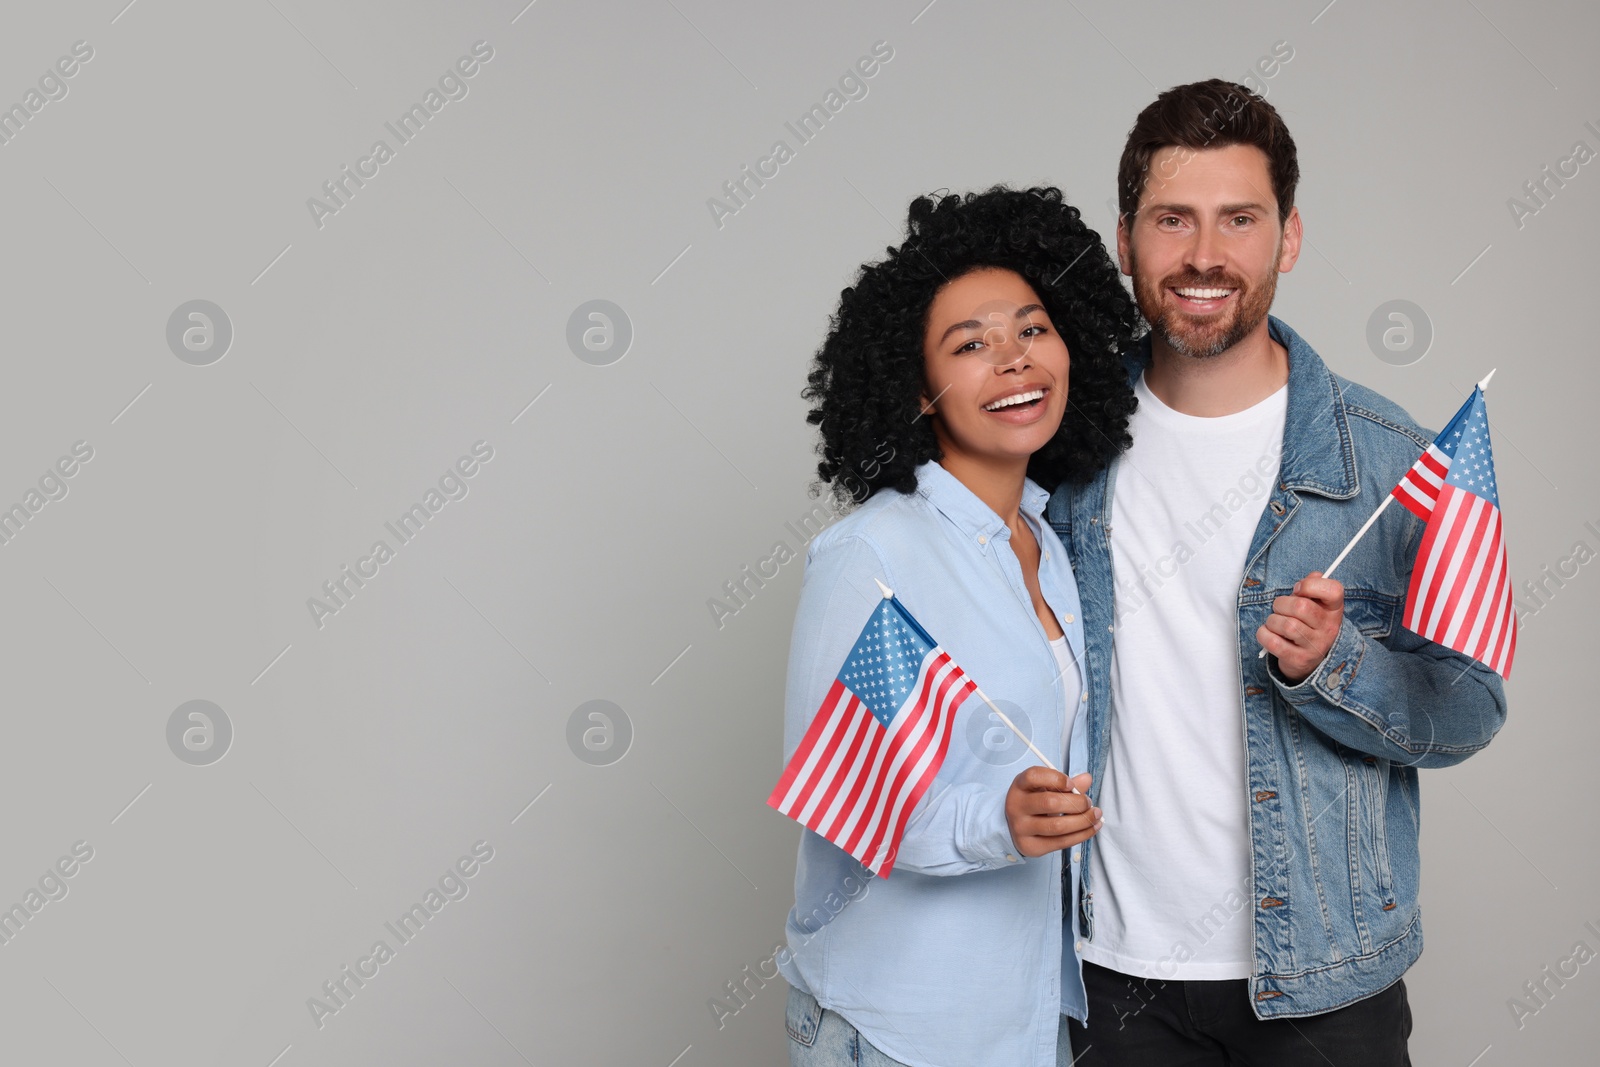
(1252, 897)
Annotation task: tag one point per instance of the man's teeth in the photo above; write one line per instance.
(1203, 294)
(1015, 398)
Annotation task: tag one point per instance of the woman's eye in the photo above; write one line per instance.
(1035, 330)
(968, 346)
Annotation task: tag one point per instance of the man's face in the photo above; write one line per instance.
(1205, 249)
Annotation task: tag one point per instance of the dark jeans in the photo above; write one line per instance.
(1137, 1021)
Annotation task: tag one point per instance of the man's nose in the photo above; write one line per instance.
(1205, 250)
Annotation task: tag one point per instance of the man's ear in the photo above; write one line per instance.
(1292, 233)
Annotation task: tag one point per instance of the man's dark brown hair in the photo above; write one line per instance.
(1208, 114)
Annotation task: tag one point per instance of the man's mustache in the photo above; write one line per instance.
(1201, 281)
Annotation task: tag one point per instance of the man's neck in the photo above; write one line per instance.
(1229, 382)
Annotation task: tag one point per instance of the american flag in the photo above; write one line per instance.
(1460, 593)
(878, 739)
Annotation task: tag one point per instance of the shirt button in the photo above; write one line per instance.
(1074, 853)
(1084, 699)
(1011, 858)
(982, 540)
(1047, 556)
(1079, 947)
(1069, 618)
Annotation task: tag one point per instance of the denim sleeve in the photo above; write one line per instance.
(952, 829)
(1405, 698)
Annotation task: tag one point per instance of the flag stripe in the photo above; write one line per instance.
(1466, 593)
(1422, 573)
(914, 732)
(930, 768)
(814, 750)
(1472, 625)
(1491, 619)
(1459, 526)
(1418, 490)
(930, 743)
(866, 776)
(858, 728)
(866, 773)
(845, 801)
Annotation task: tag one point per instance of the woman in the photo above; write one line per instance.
(972, 368)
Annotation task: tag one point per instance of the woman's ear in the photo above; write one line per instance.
(924, 405)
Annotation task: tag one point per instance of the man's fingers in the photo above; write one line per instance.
(1299, 607)
(1290, 629)
(1273, 643)
(1082, 782)
(1324, 590)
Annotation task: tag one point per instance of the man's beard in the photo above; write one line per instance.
(1203, 338)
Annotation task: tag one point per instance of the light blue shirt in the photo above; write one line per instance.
(963, 955)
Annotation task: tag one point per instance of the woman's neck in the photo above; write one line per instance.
(998, 483)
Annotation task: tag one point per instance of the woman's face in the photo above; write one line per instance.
(995, 368)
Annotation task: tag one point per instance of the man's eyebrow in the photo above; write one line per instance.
(973, 324)
(1186, 209)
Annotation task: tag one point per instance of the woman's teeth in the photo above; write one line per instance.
(1014, 399)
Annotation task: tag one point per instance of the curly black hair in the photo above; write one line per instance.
(867, 376)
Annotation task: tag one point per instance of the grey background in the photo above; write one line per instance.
(368, 355)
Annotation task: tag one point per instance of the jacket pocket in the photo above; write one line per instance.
(803, 1017)
(1371, 612)
(1374, 776)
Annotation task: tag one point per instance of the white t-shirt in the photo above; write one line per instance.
(1071, 682)
(1171, 867)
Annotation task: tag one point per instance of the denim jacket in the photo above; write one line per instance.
(1332, 761)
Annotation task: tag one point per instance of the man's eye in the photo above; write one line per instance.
(1242, 219)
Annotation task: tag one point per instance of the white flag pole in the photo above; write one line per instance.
(887, 593)
(1031, 748)
(1387, 500)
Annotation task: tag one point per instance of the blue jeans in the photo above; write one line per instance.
(819, 1037)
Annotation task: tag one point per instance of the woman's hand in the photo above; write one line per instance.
(1045, 815)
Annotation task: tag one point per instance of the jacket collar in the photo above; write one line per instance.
(1317, 453)
(962, 506)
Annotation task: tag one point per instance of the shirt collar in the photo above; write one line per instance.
(962, 506)
(1318, 454)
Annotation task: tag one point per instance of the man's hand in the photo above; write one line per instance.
(1304, 626)
(1045, 815)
